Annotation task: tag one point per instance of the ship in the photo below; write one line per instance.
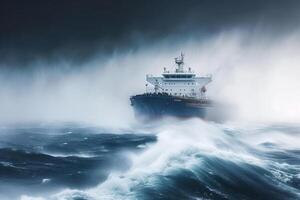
(178, 93)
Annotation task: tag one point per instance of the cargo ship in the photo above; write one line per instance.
(177, 93)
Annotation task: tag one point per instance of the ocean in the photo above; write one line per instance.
(177, 159)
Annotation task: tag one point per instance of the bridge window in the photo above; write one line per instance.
(178, 76)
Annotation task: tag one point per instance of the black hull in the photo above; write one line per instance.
(159, 105)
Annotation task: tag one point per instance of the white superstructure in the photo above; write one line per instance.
(180, 82)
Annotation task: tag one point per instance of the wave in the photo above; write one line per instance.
(45, 163)
(202, 160)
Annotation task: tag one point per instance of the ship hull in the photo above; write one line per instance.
(159, 105)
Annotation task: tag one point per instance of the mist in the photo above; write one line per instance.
(255, 73)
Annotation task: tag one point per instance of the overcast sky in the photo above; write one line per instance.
(76, 29)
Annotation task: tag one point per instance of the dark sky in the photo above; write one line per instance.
(76, 29)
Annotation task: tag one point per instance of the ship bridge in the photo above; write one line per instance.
(180, 82)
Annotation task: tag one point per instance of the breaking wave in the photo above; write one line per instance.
(195, 159)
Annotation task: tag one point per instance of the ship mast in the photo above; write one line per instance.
(179, 61)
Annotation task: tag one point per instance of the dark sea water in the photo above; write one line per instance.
(180, 160)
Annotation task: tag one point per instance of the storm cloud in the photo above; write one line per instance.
(76, 30)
